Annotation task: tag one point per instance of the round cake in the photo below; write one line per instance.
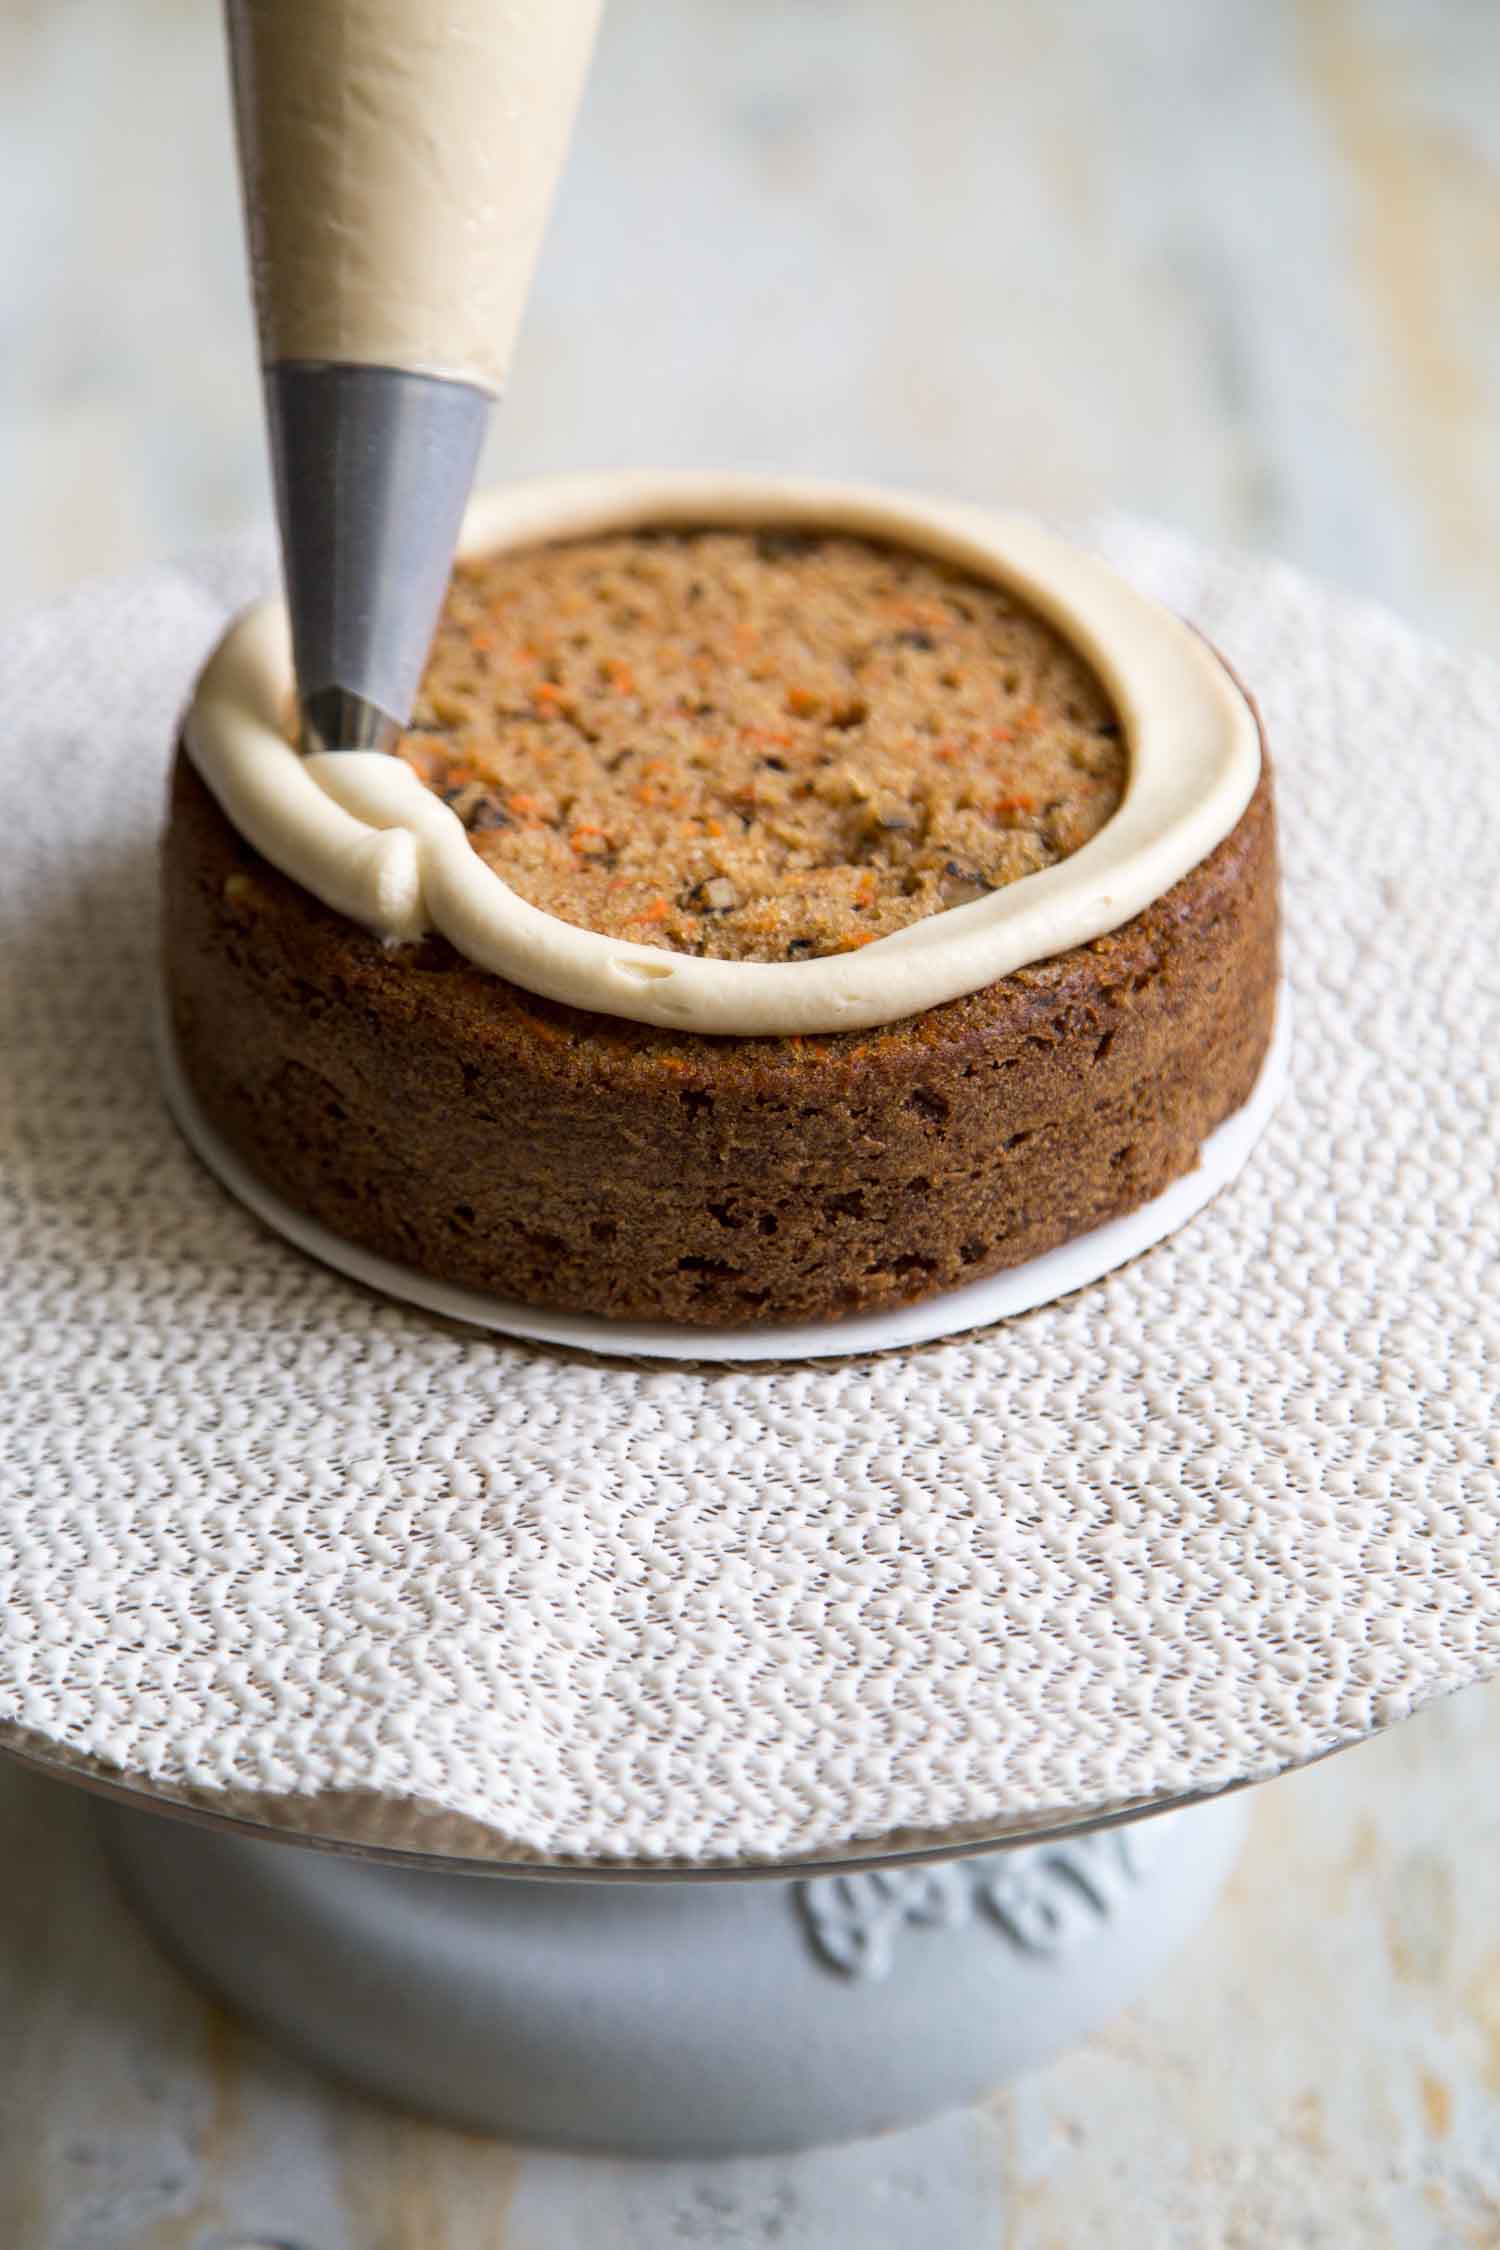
(702, 766)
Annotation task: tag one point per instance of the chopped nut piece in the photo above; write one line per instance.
(476, 806)
(891, 816)
(960, 886)
(714, 895)
(490, 814)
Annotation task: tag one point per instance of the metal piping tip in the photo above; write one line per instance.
(373, 467)
(335, 718)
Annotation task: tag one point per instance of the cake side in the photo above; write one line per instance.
(443, 1118)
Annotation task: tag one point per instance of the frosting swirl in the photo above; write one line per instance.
(359, 830)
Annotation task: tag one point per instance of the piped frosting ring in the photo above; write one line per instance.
(360, 831)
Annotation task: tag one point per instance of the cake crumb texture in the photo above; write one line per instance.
(442, 1117)
(760, 746)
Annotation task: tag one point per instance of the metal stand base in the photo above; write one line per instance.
(676, 2018)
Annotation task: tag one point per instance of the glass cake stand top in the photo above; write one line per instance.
(417, 1839)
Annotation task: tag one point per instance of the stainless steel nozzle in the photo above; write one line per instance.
(372, 467)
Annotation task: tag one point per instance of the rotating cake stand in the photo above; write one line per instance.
(273, 1546)
(685, 2013)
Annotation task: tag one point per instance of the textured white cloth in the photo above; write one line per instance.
(271, 1543)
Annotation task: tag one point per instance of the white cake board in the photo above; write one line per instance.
(977, 1305)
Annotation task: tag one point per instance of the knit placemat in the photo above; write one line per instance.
(271, 1543)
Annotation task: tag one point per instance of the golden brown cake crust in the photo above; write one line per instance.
(441, 1117)
(757, 746)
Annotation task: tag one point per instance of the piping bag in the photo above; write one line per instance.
(398, 159)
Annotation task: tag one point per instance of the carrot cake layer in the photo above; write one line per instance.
(759, 746)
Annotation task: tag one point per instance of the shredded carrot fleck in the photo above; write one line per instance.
(622, 679)
(1019, 803)
(527, 807)
(657, 911)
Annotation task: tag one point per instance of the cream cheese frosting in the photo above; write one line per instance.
(399, 160)
(362, 833)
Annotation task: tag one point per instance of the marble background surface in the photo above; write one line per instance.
(1233, 263)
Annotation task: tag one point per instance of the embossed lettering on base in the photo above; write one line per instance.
(1044, 1899)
